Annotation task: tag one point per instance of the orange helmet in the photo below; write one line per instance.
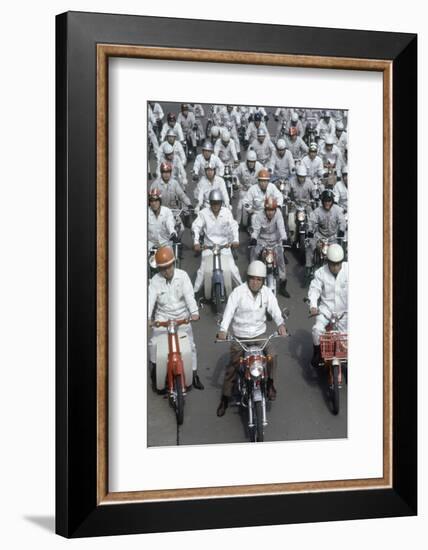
(165, 167)
(155, 195)
(271, 203)
(263, 174)
(164, 256)
(292, 131)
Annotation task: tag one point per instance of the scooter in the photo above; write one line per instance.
(251, 383)
(173, 364)
(217, 277)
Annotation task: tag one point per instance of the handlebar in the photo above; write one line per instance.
(219, 246)
(242, 342)
(176, 322)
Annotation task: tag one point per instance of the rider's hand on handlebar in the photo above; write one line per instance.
(235, 245)
(194, 317)
(221, 335)
(282, 331)
(314, 311)
(197, 247)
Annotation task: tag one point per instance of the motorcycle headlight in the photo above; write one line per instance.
(256, 366)
(300, 216)
(269, 258)
(281, 187)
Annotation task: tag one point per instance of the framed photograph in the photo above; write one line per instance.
(236, 323)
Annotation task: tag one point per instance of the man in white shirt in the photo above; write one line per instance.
(257, 193)
(171, 297)
(246, 174)
(263, 147)
(161, 226)
(219, 227)
(225, 148)
(246, 309)
(208, 183)
(328, 293)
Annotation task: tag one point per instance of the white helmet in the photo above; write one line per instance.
(294, 117)
(301, 170)
(256, 269)
(210, 164)
(313, 147)
(215, 131)
(335, 253)
(329, 140)
(167, 148)
(261, 132)
(340, 126)
(225, 136)
(252, 155)
(281, 145)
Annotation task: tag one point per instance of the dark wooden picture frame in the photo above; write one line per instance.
(84, 43)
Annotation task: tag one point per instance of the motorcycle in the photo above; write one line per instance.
(330, 177)
(217, 277)
(251, 383)
(173, 364)
(320, 252)
(334, 357)
(177, 246)
(310, 131)
(301, 226)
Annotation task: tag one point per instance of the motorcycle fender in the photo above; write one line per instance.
(257, 395)
(291, 222)
(162, 358)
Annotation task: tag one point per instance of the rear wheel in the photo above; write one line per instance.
(302, 247)
(335, 390)
(179, 400)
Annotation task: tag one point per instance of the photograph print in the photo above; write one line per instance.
(248, 273)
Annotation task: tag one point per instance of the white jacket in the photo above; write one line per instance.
(177, 129)
(247, 312)
(282, 167)
(314, 167)
(255, 197)
(205, 187)
(220, 230)
(245, 177)
(173, 299)
(226, 153)
(329, 293)
(264, 150)
(160, 227)
(267, 231)
(199, 165)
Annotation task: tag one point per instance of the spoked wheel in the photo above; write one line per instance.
(335, 390)
(179, 400)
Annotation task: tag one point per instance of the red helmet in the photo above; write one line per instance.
(170, 117)
(164, 256)
(263, 174)
(292, 131)
(271, 203)
(165, 167)
(155, 195)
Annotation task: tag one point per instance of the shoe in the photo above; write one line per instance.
(197, 382)
(283, 289)
(224, 403)
(271, 391)
(316, 357)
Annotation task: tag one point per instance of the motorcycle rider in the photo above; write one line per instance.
(171, 297)
(263, 147)
(340, 190)
(295, 143)
(166, 154)
(225, 148)
(218, 226)
(246, 174)
(295, 122)
(328, 293)
(246, 309)
(172, 124)
(341, 139)
(209, 182)
(187, 121)
(161, 226)
(171, 138)
(331, 155)
(156, 114)
(198, 170)
(253, 127)
(326, 127)
(313, 163)
(169, 188)
(257, 193)
(281, 164)
(268, 230)
(199, 113)
(326, 221)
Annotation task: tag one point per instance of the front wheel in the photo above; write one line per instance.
(179, 400)
(218, 303)
(335, 390)
(256, 432)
